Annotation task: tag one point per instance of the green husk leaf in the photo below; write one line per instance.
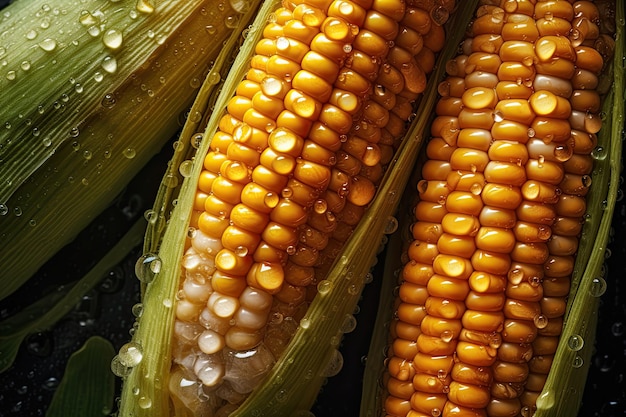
(150, 377)
(73, 142)
(562, 393)
(88, 386)
(44, 313)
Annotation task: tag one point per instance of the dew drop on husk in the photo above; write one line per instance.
(112, 39)
(130, 354)
(598, 287)
(48, 45)
(575, 342)
(147, 266)
(334, 365)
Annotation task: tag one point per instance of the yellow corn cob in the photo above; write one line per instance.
(501, 205)
(287, 176)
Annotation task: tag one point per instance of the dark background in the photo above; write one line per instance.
(27, 387)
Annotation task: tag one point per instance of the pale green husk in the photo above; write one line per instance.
(74, 129)
(562, 393)
(149, 379)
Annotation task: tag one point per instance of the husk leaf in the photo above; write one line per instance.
(71, 141)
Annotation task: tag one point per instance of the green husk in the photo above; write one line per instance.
(44, 313)
(88, 386)
(74, 130)
(149, 379)
(563, 390)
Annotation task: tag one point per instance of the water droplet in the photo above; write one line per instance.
(599, 153)
(447, 335)
(31, 34)
(147, 266)
(129, 153)
(271, 86)
(353, 290)
(196, 140)
(3, 209)
(48, 45)
(10, 75)
(334, 365)
(305, 323)
(109, 64)
(195, 82)
(112, 39)
(241, 251)
(118, 368)
(348, 324)
(575, 342)
(137, 310)
(185, 168)
(144, 6)
(78, 88)
(231, 22)
(130, 354)
(108, 100)
(598, 287)
(213, 77)
(144, 402)
(51, 384)
(540, 321)
(578, 362)
(170, 180)
(391, 226)
(320, 206)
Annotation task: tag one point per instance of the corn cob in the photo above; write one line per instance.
(501, 203)
(287, 176)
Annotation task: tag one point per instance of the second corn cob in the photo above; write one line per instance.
(501, 204)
